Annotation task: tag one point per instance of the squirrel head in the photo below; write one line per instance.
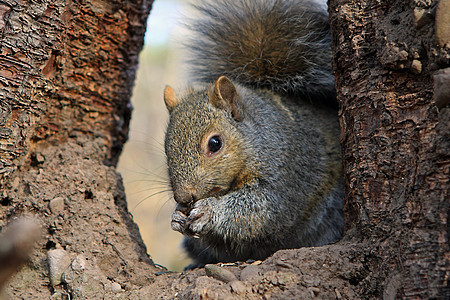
(203, 144)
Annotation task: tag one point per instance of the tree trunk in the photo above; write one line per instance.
(395, 139)
(67, 72)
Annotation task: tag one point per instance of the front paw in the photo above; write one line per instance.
(178, 221)
(199, 217)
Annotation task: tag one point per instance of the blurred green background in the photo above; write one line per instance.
(142, 163)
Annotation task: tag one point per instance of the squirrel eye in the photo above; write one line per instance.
(214, 144)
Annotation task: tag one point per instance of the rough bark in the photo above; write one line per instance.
(67, 72)
(395, 139)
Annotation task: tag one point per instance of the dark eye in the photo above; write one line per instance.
(214, 144)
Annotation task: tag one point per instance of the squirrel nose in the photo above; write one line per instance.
(185, 196)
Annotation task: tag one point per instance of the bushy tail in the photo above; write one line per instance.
(283, 45)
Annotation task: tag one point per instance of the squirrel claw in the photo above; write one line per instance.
(178, 221)
(198, 218)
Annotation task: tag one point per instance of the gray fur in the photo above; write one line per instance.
(282, 45)
(277, 182)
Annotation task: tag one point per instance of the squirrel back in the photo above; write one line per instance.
(281, 45)
(253, 156)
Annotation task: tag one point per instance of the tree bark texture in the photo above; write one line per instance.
(396, 139)
(67, 68)
(67, 71)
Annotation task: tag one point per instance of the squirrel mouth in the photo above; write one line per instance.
(186, 206)
(215, 191)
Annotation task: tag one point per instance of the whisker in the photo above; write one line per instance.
(152, 181)
(166, 202)
(133, 193)
(148, 173)
(147, 197)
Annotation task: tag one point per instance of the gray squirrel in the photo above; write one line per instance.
(253, 149)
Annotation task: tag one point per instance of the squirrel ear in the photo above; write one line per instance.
(225, 96)
(170, 99)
